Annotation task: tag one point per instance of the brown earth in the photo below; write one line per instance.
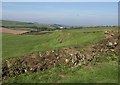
(5, 30)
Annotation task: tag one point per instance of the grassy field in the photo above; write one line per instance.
(24, 25)
(17, 24)
(20, 45)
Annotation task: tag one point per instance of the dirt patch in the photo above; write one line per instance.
(93, 32)
(66, 56)
(5, 30)
(38, 32)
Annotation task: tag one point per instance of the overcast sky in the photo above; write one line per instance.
(67, 13)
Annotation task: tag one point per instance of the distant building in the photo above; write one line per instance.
(61, 27)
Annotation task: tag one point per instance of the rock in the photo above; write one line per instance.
(47, 53)
(112, 34)
(66, 60)
(58, 57)
(101, 50)
(8, 64)
(110, 44)
(80, 64)
(115, 43)
(25, 70)
(40, 55)
(53, 51)
(112, 50)
(106, 32)
(71, 54)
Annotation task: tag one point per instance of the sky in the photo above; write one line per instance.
(66, 13)
(60, 0)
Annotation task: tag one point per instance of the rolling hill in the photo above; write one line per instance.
(29, 25)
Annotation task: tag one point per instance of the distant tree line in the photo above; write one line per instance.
(17, 26)
(41, 28)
